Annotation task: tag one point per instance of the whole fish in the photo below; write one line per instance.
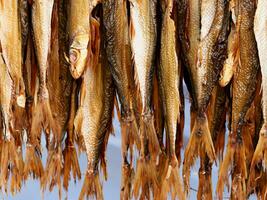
(260, 29)
(79, 34)
(67, 100)
(41, 24)
(118, 49)
(94, 120)
(169, 80)
(143, 43)
(10, 35)
(211, 55)
(244, 88)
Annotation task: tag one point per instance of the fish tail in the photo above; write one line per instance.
(126, 181)
(175, 184)
(205, 183)
(147, 130)
(53, 171)
(70, 163)
(33, 163)
(239, 176)
(91, 187)
(219, 144)
(11, 155)
(145, 178)
(224, 168)
(200, 137)
(260, 155)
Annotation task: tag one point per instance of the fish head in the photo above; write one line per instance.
(78, 55)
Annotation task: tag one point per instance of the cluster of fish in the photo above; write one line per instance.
(65, 65)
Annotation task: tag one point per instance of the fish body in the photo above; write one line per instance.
(260, 30)
(169, 79)
(118, 49)
(211, 55)
(208, 8)
(10, 36)
(143, 44)
(41, 22)
(244, 89)
(189, 23)
(94, 119)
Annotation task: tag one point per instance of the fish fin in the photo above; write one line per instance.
(260, 156)
(239, 175)
(175, 184)
(33, 163)
(219, 143)
(52, 174)
(94, 47)
(126, 181)
(199, 137)
(205, 182)
(11, 155)
(225, 166)
(147, 130)
(70, 163)
(91, 187)
(145, 177)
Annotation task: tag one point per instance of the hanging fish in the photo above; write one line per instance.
(210, 58)
(143, 43)
(94, 118)
(117, 44)
(244, 88)
(260, 29)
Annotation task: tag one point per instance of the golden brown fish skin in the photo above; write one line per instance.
(169, 79)
(189, 23)
(211, 55)
(259, 160)
(24, 20)
(118, 49)
(10, 33)
(144, 32)
(79, 34)
(94, 117)
(244, 88)
(41, 23)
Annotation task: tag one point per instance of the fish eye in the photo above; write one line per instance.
(74, 55)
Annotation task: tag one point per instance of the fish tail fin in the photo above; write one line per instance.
(91, 187)
(147, 129)
(260, 155)
(17, 169)
(219, 144)
(224, 168)
(205, 183)
(199, 137)
(53, 171)
(70, 163)
(33, 163)
(145, 178)
(126, 181)
(238, 189)
(48, 119)
(175, 184)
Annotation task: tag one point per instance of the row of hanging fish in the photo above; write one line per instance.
(66, 65)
